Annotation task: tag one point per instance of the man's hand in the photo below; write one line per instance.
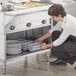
(43, 46)
(39, 39)
(45, 36)
(46, 46)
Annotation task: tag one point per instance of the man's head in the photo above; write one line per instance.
(57, 12)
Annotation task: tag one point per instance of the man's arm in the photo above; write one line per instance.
(46, 46)
(48, 34)
(57, 27)
(64, 35)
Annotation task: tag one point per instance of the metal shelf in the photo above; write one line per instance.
(25, 54)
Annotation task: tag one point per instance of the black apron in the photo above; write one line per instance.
(70, 45)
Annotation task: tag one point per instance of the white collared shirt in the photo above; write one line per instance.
(69, 28)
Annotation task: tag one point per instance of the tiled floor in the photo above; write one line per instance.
(37, 67)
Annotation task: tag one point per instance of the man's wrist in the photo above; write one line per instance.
(50, 45)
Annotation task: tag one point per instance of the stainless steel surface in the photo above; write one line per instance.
(43, 1)
(4, 1)
(17, 14)
(7, 7)
(4, 66)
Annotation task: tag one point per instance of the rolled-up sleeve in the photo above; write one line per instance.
(57, 27)
(65, 34)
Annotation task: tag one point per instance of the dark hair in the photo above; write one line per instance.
(57, 9)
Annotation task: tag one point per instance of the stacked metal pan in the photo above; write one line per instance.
(13, 47)
(31, 45)
(17, 46)
(35, 46)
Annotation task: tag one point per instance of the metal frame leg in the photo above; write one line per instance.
(48, 56)
(37, 57)
(4, 66)
(25, 61)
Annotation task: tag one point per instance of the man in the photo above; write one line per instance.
(64, 47)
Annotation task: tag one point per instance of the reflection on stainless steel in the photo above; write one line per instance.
(7, 7)
(43, 1)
